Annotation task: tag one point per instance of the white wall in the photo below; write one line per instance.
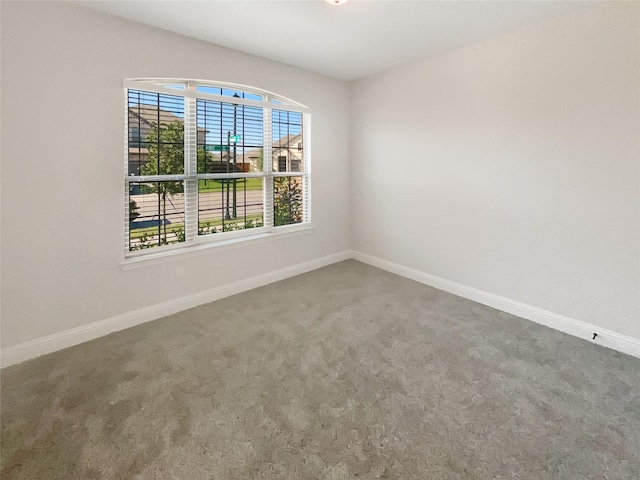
(62, 166)
(512, 166)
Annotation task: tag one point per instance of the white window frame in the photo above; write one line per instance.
(190, 178)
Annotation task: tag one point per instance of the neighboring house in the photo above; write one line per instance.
(286, 156)
(287, 152)
(142, 118)
(223, 163)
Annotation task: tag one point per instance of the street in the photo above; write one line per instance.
(211, 206)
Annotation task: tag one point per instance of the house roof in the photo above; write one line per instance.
(151, 114)
(288, 141)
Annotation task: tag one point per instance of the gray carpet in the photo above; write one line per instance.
(345, 372)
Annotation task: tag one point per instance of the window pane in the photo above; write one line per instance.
(287, 200)
(156, 133)
(228, 92)
(229, 138)
(287, 141)
(156, 214)
(229, 142)
(230, 204)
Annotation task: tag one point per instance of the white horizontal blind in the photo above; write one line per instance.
(156, 169)
(205, 162)
(230, 144)
(289, 168)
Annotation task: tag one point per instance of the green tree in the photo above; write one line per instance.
(287, 201)
(133, 211)
(165, 143)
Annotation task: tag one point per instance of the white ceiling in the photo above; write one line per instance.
(347, 42)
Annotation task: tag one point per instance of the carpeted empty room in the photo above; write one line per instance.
(343, 372)
(320, 240)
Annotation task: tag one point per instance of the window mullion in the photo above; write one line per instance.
(306, 179)
(267, 166)
(190, 167)
(127, 225)
(127, 229)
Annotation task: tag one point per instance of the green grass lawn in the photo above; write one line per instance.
(216, 185)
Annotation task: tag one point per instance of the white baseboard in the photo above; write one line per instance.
(577, 328)
(58, 341)
(75, 336)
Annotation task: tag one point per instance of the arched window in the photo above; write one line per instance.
(211, 161)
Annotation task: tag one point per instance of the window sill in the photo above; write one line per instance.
(197, 249)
